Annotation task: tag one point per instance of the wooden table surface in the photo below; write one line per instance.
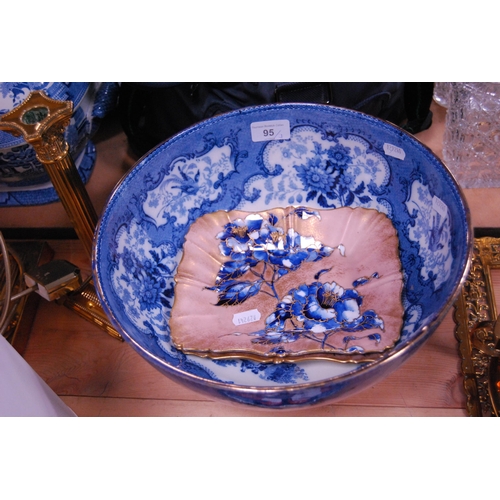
(96, 375)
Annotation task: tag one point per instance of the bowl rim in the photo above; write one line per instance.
(409, 346)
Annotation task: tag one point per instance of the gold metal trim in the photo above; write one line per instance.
(47, 139)
(478, 330)
(86, 304)
(15, 311)
(42, 122)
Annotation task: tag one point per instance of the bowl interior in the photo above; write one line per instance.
(274, 157)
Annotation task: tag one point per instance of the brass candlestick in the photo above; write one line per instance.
(42, 122)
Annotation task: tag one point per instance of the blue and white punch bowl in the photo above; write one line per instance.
(282, 255)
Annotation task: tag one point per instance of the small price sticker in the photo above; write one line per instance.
(246, 317)
(440, 207)
(394, 151)
(273, 130)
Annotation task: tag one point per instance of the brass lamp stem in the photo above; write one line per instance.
(74, 198)
(42, 121)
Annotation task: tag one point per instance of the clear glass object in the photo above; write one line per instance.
(471, 142)
(441, 91)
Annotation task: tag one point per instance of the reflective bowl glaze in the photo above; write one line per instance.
(300, 158)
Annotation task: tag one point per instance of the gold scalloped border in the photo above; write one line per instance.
(476, 311)
(334, 355)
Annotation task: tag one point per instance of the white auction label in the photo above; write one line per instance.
(394, 151)
(246, 317)
(273, 130)
(440, 207)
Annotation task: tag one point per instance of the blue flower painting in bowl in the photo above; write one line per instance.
(282, 255)
(289, 284)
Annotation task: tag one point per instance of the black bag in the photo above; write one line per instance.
(152, 112)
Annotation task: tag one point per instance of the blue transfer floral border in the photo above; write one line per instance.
(421, 165)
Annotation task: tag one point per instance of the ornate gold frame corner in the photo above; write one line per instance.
(478, 331)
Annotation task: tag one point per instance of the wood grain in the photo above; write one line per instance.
(97, 375)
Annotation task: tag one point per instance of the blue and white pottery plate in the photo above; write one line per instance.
(23, 180)
(259, 159)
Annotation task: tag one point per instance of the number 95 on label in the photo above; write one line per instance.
(273, 130)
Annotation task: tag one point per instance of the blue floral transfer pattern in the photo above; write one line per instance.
(429, 226)
(192, 181)
(333, 159)
(257, 241)
(144, 280)
(334, 172)
(288, 373)
(259, 253)
(14, 93)
(322, 309)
